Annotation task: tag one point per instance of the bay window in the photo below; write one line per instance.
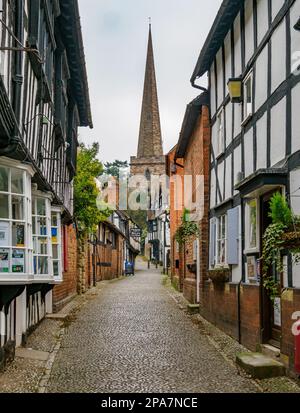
(15, 224)
(42, 246)
(56, 239)
(222, 240)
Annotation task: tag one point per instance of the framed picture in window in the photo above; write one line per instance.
(4, 234)
(18, 261)
(4, 261)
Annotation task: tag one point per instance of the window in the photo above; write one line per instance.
(248, 97)
(15, 228)
(222, 240)
(220, 133)
(252, 241)
(42, 247)
(56, 238)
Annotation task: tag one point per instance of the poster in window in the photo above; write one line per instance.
(54, 235)
(4, 261)
(18, 261)
(251, 268)
(4, 234)
(277, 312)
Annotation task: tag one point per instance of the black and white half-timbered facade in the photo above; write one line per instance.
(253, 46)
(43, 99)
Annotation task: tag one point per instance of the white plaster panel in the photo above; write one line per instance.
(278, 56)
(228, 116)
(296, 276)
(214, 139)
(295, 191)
(237, 162)
(228, 68)
(276, 6)
(221, 171)
(220, 77)
(261, 138)
(248, 142)
(262, 19)
(238, 47)
(237, 119)
(295, 118)
(212, 189)
(261, 79)
(212, 91)
(249, 30)
(278, 132)
(228, 181)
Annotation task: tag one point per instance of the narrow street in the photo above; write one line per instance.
(134, 338)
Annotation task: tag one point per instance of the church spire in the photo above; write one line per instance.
(150, 139)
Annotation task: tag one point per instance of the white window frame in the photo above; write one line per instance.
(35, 236)
(220, 239)
(220, 132)
(247, 106)
(7, 274)
(56, 211)
(249, 248)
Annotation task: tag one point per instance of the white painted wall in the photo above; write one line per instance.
(227, 46)
(248, 142)
(228, 184)
(221, 177)
(212, 189)
(237, 162)
(295, 118)
(238, 47)
(220, 77)
(262, 19)
(276, 6)
(249, 30)
(213, 91)
(261, 135)
(237, 269)
(278, 42)
(278, 132)
(237, 119)
(228, 116)
(261, 79)
(295, 203)
(295, 47)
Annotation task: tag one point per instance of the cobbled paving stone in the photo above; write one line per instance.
(133, 337)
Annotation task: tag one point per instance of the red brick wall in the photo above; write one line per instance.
(65, 291)
(250, 316)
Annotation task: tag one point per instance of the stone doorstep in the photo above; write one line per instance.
(26, 353)
(271, 351)
(260, 366)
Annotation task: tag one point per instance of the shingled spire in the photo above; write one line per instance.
(150, 140)
(150, 149)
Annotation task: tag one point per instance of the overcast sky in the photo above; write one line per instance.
(115, 37)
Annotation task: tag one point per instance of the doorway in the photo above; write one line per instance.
(271, 312)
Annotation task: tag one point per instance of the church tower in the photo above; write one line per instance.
(150, 158)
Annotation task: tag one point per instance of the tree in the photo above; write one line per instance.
(113, 168)
(86, 213)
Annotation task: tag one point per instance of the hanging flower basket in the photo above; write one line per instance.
(291, 239)
(219, 276)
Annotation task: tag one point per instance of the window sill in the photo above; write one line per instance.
(250, 252)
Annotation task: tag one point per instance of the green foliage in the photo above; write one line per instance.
(187, 229)
(86, 192)
(113, 168)
(280, 212)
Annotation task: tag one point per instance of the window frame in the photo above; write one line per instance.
(247, 107)
(249, 248)
(219, 263)
(60, 255)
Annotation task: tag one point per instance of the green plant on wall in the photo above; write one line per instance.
(285, 225)
(187, 229)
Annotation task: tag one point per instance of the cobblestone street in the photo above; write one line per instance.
(134, 338)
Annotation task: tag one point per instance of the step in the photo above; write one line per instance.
(271, 351)
(260, 366)
(193, 308)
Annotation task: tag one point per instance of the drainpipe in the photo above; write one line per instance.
(204, 89)
(198, 271)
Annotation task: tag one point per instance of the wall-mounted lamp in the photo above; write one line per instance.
(235, 89)
(297, 25)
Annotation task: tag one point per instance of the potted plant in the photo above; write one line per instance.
(282, 234)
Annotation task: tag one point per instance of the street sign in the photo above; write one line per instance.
(135, 232)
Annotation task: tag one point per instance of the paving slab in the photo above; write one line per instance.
(26, 353)
(260, 366)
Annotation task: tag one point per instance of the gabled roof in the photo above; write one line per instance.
(72, 37)
(192, 113)
(225, 18)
